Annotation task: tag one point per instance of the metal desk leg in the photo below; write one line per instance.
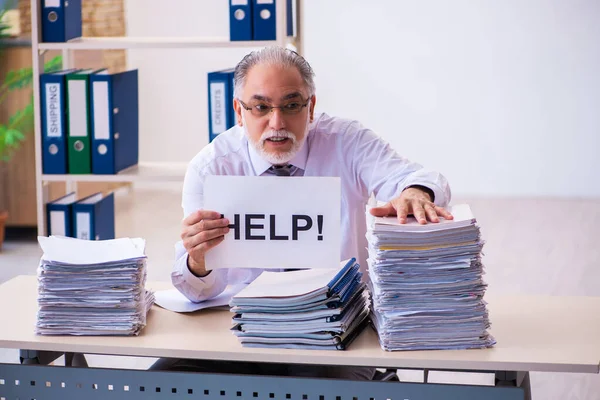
(38, 357)
(29, 357)
(518, 379)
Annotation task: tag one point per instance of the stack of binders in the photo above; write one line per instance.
(92, 288)
(426, 283)
(306, 309)
(256, 19)
(91, 218)
(90, 121)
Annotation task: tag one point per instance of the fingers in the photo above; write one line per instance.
(443, 212)
(419, 212)
(204, 225)
(383, 211)
(199, 215)
(204, 236)
(402, 211)
(198, 252)
(431, 212)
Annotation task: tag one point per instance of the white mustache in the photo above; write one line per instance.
(277, 134)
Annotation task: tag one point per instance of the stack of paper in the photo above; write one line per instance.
(88, 287)
(309, 309)
(426, 283)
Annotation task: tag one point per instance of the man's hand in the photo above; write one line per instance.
(202, 230)
(412, 201)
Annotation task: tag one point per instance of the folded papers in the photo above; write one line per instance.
(308, 309)
(426, 283)
(92, 287)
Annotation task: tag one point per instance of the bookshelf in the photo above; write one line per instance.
(118, 43)
(144, 171)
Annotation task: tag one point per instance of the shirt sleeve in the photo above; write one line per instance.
(383, 172)
(198, 289)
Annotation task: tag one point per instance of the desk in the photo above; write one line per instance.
(560, 334)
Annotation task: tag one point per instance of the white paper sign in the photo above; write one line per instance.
(276, 222)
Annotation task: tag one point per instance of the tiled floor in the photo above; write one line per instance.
(533, 246)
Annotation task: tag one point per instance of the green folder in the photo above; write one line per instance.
(79, 153)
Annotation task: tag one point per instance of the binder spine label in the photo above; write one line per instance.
(57, 223)
(218, 101)
(77, 108)
(101, 115)
(53, 116)
(83, 226)
(52, 3)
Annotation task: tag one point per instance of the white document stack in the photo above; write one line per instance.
(88, 287)
(426, 283)
(305, 309)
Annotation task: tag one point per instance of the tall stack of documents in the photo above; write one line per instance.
(307, 309)
(92, 287)
(426, 283)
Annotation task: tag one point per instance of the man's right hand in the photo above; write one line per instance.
(202, 230)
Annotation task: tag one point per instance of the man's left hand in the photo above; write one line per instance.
(412, 201)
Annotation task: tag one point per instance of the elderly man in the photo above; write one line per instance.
(278, 133)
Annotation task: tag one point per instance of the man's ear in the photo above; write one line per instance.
(238, 112)
(313, 101)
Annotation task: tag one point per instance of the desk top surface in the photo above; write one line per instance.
(534, 333)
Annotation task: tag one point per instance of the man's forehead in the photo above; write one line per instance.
(271, 82)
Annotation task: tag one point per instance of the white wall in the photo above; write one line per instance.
(501, 96)
(173, 86)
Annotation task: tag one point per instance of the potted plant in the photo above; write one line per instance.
(13, 131)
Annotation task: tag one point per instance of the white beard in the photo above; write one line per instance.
(276, 158)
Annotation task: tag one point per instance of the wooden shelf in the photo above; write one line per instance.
(100, 43)
(143, 172)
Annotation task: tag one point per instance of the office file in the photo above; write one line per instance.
(59, 215)
(427, 283)
(61, 20)
(52, 99)
(240, 20)
(291, 18)
(285, 309)
(92, 287)
(264, 17)
(114, 121)
(94, 217)
(220, 102)
(79, 154)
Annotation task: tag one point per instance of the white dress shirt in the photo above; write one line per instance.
(334, 147)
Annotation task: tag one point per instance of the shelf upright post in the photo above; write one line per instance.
(37, 59)
(281, 22)
(67, 62)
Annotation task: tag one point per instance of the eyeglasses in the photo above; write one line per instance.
(261, 109)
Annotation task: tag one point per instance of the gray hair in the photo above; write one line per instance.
(274, 56)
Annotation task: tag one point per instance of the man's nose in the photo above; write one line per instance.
(276, 120)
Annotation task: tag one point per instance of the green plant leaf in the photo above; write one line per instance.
(54, 64)
(22, 78)
(16, 134)
(19, 79)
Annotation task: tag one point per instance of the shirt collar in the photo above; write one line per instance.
(261, 165)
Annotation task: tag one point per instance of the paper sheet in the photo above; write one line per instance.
(85, 252)
(173, 300)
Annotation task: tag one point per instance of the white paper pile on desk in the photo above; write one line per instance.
(88, 287)
(426, 283)
(306, 309)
